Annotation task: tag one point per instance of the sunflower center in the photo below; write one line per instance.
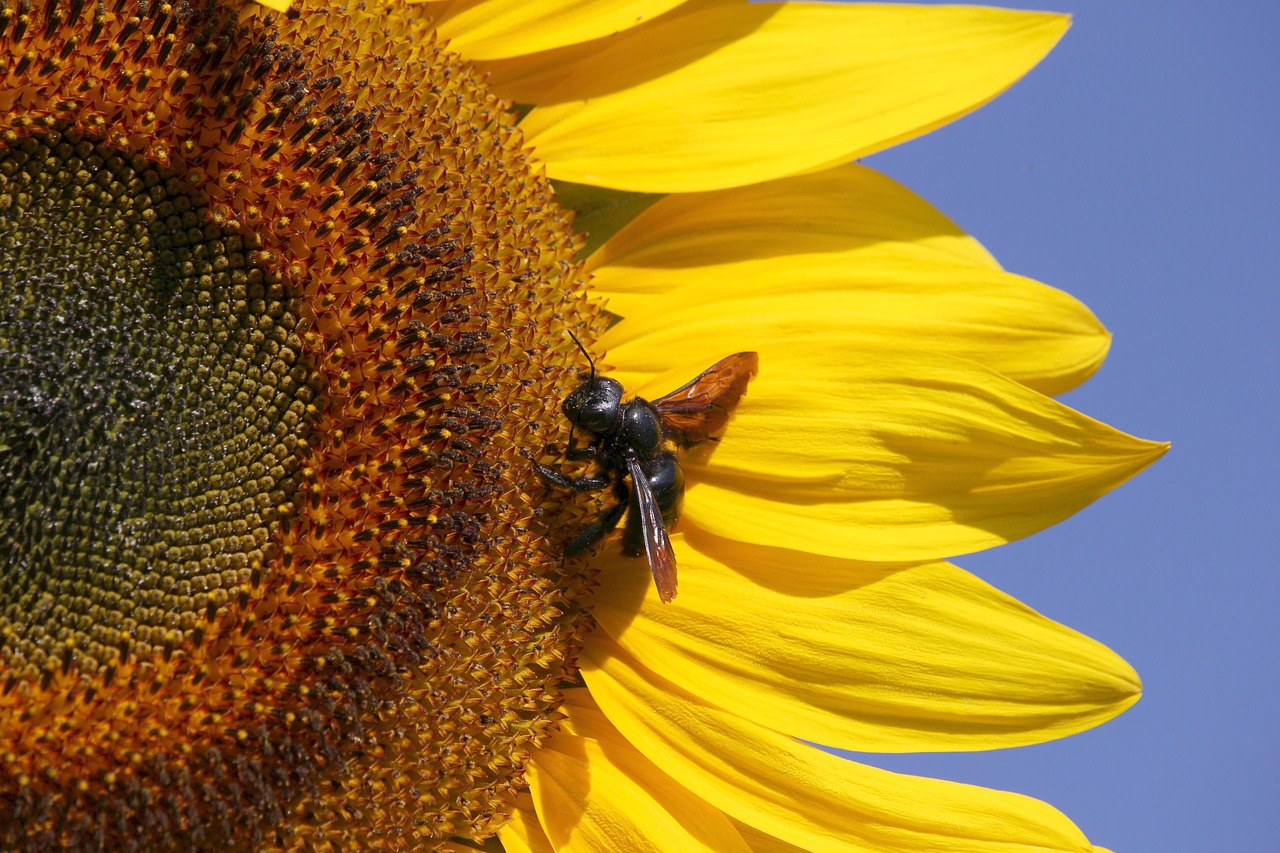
(307, 521)
(152, 398)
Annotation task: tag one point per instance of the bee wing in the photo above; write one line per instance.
(700, 408)
(657, 545)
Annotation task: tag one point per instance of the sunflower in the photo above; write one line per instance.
(285, 319)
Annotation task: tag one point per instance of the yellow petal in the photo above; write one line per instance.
(737, 93)
(803, 795)
(862, 656)
(501, 28)
(599, 213)
(532, 78)
(603, 796)
(277, 5)
(870, 455)
(762, 842)
(528, 79)
(847, 210)
(523, 833)
(1034, 334)
(845, 255)
(584, 718)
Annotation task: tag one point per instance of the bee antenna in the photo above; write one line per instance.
(584, 352)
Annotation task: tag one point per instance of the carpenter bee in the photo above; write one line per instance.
(638, 440)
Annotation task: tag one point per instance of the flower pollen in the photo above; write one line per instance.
(283, 308)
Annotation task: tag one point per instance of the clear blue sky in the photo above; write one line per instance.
(1139, 168)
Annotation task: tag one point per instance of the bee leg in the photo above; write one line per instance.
(577, 484)
(577, 454)
(555, 478)
(596, 530)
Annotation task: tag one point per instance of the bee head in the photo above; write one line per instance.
(595, 405)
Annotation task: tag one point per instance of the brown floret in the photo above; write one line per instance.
(383, 647)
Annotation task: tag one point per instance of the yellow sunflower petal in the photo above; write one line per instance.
(599, 213)
(277, 5)
(528, 79)
(585, 719)
(869, 455)
(868, 657)
(532, 78)
(843, 255)
(850, 210)
(763, 842)
(1034, 334)
(523, 833)
(738, 93)
(502, 28)
(799, 793)
(603, 795)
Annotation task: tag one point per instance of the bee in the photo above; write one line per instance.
(634, 447)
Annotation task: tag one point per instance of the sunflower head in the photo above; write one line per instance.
(280, 305)
(283, 316)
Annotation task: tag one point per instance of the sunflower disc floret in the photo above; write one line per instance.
(281, 309)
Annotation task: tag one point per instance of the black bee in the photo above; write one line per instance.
(637, 439)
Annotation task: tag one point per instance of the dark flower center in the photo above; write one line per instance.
(153, 398)
(282, 303)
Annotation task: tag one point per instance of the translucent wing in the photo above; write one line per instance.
(657, 545)
(699, 409)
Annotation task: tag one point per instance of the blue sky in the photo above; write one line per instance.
(1139, 168)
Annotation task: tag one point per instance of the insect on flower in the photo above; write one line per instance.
(638, 439)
